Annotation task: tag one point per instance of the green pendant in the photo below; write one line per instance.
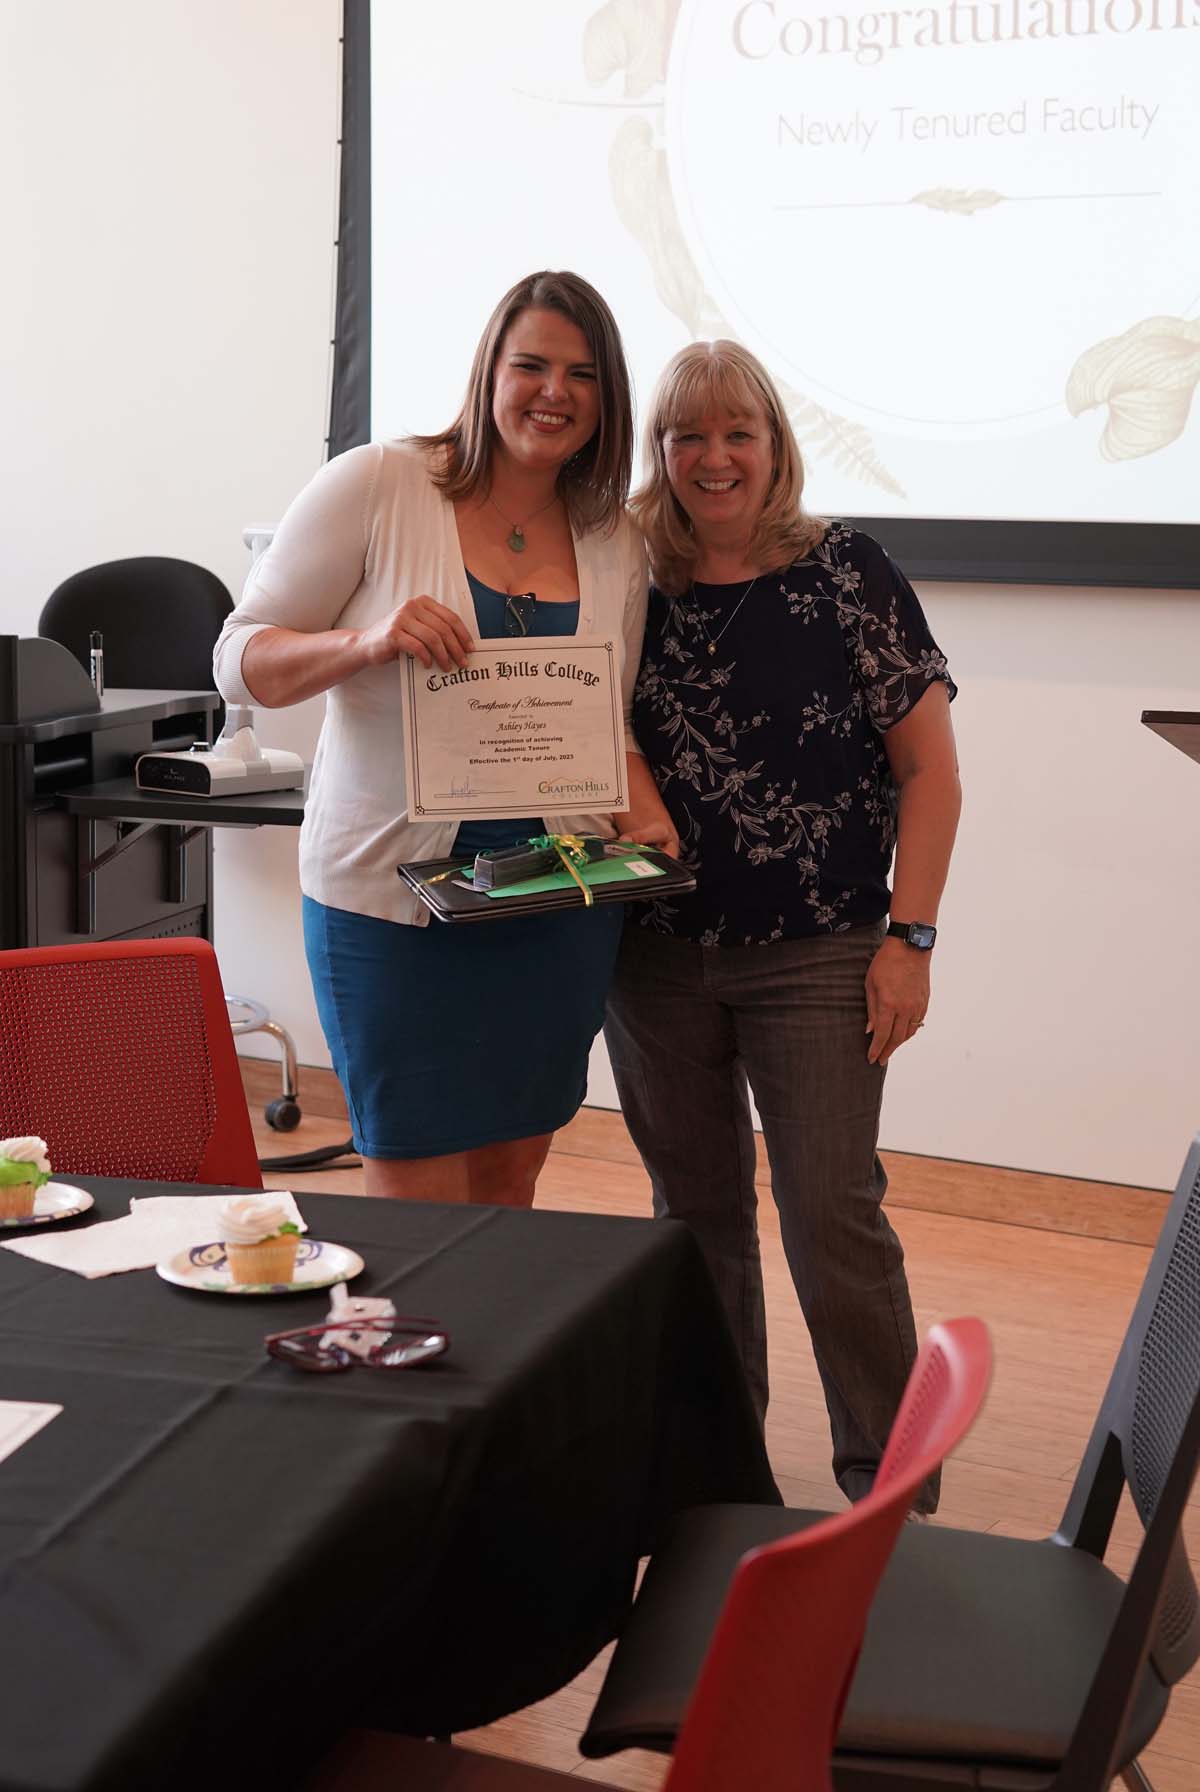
(516, 540)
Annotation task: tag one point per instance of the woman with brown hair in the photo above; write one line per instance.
(795, 711)
(460, 1050)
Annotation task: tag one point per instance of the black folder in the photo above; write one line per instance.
(450, 899)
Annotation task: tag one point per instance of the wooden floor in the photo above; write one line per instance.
(1057, 1303)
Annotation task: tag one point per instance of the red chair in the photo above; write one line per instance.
(769, 1695)
(770, 1692)
(120, 1056)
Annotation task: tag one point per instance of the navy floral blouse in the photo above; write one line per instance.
(769, 751)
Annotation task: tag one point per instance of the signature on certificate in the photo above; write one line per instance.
(464, 787)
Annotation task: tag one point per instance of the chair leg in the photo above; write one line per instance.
(291, 1071)
(284, 1112)
(1133, 1777)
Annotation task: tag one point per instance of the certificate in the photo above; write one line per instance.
(532, 726)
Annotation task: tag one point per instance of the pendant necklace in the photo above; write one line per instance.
(713, 639)
(516, 535)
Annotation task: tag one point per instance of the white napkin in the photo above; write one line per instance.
(20, 1420)
(155, 1228)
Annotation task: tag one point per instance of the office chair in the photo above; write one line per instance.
(766, 1700)
(160, 619)
(121, 1057)
(988, 1661)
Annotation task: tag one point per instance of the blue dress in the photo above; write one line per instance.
(446, 1038)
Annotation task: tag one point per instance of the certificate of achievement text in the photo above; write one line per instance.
(532, 726)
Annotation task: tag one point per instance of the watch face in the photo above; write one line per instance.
(922, 935)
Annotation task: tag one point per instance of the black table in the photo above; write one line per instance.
(120, 799)
(207, 1545)
(186, 823)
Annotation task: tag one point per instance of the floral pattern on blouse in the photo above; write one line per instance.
(769, 751)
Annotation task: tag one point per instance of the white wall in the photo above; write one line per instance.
(164, 322)
(169, 172)
(1066, 979)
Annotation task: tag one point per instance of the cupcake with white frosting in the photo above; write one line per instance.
(24, 1166)
(260, 1238)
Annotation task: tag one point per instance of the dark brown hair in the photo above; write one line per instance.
(594, 483)
(721, 376)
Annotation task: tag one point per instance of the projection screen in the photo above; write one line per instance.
(964, 237)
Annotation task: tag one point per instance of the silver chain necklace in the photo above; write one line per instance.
(713, 639)
(516, 537)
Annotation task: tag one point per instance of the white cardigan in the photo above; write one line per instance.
(370, 531)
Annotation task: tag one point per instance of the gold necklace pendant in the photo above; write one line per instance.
(712, 641)
(516, 540)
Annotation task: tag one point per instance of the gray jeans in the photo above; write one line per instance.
(688, 1028)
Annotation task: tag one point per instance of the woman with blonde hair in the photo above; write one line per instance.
(460, 1050)
(795, 712)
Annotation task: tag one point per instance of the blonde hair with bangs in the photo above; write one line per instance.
(721, 376)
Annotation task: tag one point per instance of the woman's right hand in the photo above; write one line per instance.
(656, 831)
(424, 629)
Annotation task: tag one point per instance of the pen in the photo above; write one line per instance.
(97, 661)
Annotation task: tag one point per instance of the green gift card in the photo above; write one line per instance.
(600, 871)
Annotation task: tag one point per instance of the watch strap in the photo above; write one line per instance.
(919, 934)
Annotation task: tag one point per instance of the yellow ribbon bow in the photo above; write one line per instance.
(571, 852)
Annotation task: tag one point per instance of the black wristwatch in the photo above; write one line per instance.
(920, 934)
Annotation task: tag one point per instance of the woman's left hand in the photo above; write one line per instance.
(897, 997)
(647, 821)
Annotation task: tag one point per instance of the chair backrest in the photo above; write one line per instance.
(1147, 1438)
(120, 1056)
(1151, 1394)
(160, 619)
(769, 1697)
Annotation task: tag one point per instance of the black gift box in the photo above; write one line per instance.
(504, 865)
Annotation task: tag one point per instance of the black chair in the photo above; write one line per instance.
(988, 1662)
(160, 619)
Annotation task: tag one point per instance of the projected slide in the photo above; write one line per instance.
(964, 237)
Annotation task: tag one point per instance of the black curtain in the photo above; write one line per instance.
(350, 394)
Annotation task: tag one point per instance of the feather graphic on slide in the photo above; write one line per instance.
(823, 435)
(633, 36)
(1146, 377)
(641, 184)
(963, 201)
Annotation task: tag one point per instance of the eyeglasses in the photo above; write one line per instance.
(519, 610)
(399, 1343)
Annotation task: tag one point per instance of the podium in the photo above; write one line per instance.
(85, 854)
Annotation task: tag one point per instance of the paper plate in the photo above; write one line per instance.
(318, 1265)
(54, 1201)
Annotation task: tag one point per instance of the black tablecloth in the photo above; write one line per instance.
(209, 1562)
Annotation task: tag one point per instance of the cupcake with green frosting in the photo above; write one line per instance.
(24, 1166)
